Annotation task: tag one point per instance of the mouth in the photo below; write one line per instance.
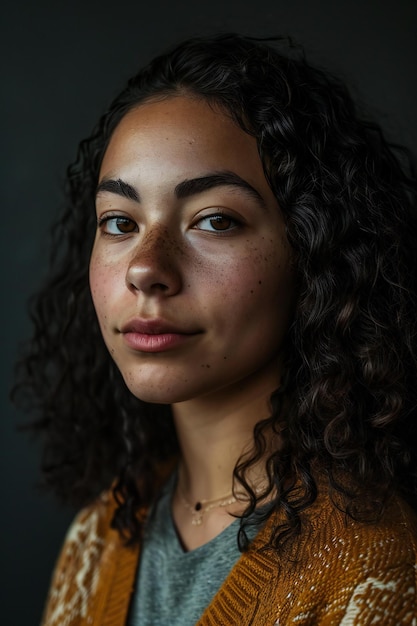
(155, 335)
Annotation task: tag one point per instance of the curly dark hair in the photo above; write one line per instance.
(347, 406)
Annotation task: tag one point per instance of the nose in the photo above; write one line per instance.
(154, 269)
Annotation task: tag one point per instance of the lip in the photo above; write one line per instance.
(155, 335)
(156, 326)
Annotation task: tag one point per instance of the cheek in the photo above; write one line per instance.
(268, 288)
(262, 275)
(250, 295)
(102, 283)
(96, 276)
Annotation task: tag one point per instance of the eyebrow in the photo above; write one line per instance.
(119, 187)
(186, 188)
(216, 179)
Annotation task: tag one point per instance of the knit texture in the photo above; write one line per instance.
(338, 572)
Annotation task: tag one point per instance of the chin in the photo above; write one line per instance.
(157, 393)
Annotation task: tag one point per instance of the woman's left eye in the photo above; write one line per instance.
(216, 223)
(118, 225)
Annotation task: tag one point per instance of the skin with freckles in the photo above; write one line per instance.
(191, 277)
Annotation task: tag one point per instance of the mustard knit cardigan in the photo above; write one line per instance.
(338, 572)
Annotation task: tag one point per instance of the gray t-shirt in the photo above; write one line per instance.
(173, 586)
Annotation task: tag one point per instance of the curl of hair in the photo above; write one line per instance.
(348, 407)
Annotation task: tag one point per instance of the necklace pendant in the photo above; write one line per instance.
(201, 507)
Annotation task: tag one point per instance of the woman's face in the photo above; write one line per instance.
(191, 271)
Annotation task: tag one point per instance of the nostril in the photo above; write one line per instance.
(160, 287)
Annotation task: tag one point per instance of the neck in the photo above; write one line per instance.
(213, 436)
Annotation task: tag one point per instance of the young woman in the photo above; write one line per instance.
(244, 438)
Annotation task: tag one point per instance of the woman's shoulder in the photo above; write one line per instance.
(337, 570)
(392, 535)
(85, 564)
(92, 521)
(358, 573)
(90, 531)
(95, 570)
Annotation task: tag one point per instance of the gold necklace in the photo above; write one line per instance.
(201, 507)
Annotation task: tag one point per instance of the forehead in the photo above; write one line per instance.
(189, 118)
(181, 134)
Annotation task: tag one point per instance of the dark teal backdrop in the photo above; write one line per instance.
(61, 64)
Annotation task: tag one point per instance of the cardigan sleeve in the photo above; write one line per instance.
(357, 575)
(76, 575)
(388, 599)
(93, 578)
(95, 573)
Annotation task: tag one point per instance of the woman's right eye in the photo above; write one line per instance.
(117, 225)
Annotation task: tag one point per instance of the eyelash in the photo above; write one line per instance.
(104, 223)
(217, 216)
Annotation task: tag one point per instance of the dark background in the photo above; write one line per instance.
(61, 64)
